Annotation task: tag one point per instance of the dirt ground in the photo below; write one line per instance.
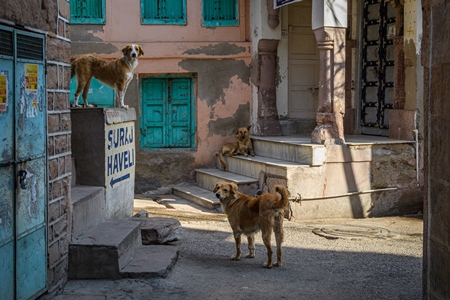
(351, 259)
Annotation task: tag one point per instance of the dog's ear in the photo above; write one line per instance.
(248, 128)
(216, 188)
(237, 133)
(141, 52)
(126, 49)
(233, 188)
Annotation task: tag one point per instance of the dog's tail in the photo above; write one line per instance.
(281, 189)
(224, 165)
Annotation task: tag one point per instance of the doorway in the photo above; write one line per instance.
(303, 63)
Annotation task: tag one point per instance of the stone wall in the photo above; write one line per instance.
(436, 62)
(51, 17)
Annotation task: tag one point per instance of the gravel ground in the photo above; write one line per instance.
(384, 264)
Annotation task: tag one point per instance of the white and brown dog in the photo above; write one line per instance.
(115, 73)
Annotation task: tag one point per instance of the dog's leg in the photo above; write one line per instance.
(85, 93)
(121, 93)
(80, 87)
(279, 236)
(251, 246)
(267, 236)
(250, 149)
(242, 149)
(237, 239)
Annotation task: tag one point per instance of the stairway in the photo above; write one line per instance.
(113, 249)
(105, 248)
(278, 159)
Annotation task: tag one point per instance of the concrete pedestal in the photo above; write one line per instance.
(104, 151)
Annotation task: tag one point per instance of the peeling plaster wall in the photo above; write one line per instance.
(219, 58)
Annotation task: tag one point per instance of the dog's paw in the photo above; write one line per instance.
(250, 255)
(277, 264)
(268, 265)
(124, 106)
(236, 257)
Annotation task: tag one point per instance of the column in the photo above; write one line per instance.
(267, 123)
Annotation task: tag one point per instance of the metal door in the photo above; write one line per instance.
(167, 113)
(378, 54)
(23, 238)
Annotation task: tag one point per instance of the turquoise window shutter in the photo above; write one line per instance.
(163, 12)
(220, 13)
(167, 119)
(87, 11)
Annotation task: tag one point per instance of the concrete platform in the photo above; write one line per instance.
(151, 261)
(104, 250)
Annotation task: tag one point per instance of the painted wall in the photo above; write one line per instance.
(218, 57)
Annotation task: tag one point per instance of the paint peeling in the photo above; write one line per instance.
(227, 126)
(214, 76)
(217, 49)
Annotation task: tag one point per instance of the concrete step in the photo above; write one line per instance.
(88, 205)
(104, 250)
(151, 261)
(252, 166)
(207, 179)
(296, 149)
(198, 195)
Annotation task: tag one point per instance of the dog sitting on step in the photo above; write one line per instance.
(242, 146)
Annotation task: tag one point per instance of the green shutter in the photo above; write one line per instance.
(163, 11)
(167, 119)
(220, 13)
(87, 11)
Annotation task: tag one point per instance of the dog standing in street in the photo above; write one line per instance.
(243, 146)
(115, 73)
(247, 215)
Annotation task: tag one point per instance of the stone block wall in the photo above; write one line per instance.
(436, 62)
(59, 148)
(51, 18)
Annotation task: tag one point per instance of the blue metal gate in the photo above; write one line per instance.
(23, 136)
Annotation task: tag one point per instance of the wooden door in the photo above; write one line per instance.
(303, 63)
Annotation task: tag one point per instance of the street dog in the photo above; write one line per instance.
(243, 146)
(247, 215)
(115, 73)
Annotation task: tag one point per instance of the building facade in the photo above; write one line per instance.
(35, 164)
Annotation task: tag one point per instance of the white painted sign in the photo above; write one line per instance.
(120, 154)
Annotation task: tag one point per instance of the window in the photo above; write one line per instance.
(168, 112)
(163, 11)
(220, 13)
(87, 11)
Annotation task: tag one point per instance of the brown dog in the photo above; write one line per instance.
(243, 146)
(247, 215)
(115, 73)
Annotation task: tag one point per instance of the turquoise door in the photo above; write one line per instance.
(23, 238)
(167, 113)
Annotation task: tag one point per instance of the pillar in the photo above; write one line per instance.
(331, 97)
(267, 122)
